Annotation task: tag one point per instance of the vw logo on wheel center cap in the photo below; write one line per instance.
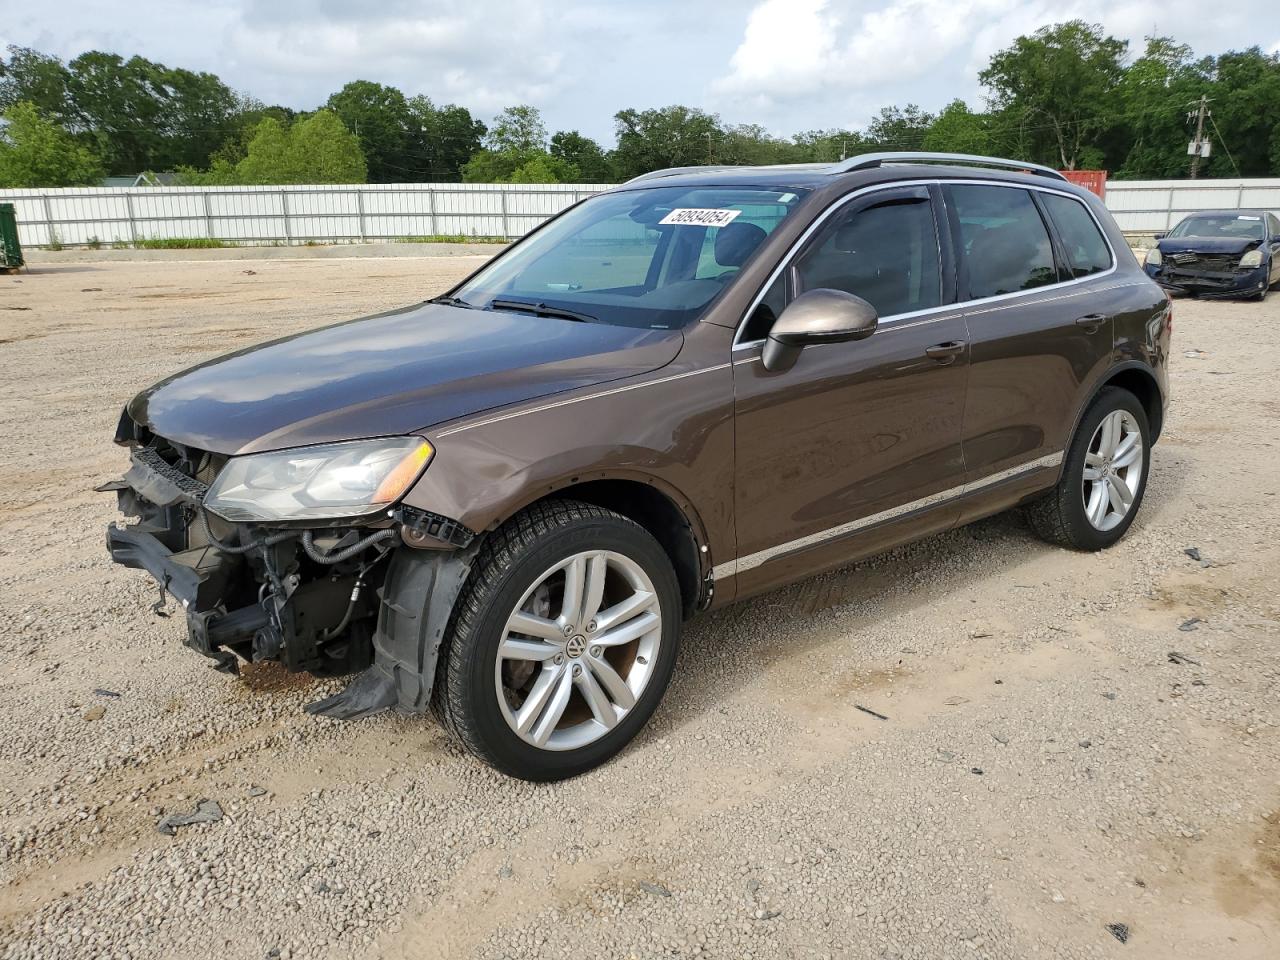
(576, 645)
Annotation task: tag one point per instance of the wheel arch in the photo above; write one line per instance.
(658, 507)
(1140, 380)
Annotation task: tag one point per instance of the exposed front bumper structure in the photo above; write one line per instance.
(327, 601)
(1210, 283)
(198, 580)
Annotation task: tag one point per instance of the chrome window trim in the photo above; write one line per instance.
(732, 568)
(961, 305)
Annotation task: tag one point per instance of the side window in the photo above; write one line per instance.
(1275, 226)
(761, 320)
(887, 254)
(1004, 245)
(1087, 251)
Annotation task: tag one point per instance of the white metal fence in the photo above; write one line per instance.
(338, 214)
(286, 215)
(1154, 206)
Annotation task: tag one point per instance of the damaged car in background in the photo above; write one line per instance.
(502, 504)
(1219, 253)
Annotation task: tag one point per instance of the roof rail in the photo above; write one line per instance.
(720, 168)
(867, 161)
(675, 172)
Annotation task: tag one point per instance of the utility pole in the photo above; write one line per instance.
(1199, 146)
(710, 156)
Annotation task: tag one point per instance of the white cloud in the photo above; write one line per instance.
(788, 64)
(858, 55)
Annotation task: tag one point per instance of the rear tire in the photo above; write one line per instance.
(1104, 476)
(571, 608)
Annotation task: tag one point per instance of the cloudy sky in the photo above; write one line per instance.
(788, 64)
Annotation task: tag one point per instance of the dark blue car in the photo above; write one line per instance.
(1219, 253)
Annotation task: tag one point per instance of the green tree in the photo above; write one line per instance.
(828, 146)
(584, 154)
(200, 113)
(516, 152)
(750, 143)
(323, 150)
(442, 138)
(37, 153)
(898, 128)
(1245, 112)
(1153, 98)
(1060, 82)
(673, 136)
(267, 157)
(36, 78)
(316, 149)
(518, 166)
(544, 168)
(517, 129)
(957, 129)
(116, 103)
(380, 117)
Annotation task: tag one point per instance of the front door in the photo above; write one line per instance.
(858, 444)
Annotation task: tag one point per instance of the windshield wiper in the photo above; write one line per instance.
(452, 302)
(540, 310)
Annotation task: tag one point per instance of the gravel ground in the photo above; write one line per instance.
(1047, 768)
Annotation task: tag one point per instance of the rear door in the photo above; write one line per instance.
(853, 446)
(1039, 327)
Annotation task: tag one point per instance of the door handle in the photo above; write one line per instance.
(945, 352)
(1091, 322)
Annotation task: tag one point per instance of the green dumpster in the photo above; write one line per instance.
(10, 248)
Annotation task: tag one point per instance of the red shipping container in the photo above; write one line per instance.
(1094, 181)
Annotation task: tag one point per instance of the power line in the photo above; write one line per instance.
(1223, 141)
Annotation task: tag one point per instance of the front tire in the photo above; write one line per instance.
(1104, 476)
(563, 641)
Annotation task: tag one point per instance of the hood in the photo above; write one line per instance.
(1206, 244)
(394, 373)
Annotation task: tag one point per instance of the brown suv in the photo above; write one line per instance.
(703, 384)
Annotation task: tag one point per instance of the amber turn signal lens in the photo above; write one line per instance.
(405, 472)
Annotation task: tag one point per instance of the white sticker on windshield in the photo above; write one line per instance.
(694, 217)
(1245, 216)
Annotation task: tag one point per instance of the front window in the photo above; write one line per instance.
(644, 258)
(885, 253)
(1229, 225)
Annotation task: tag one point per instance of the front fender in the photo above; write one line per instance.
(673, 432)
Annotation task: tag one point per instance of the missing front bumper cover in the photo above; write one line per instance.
(273, 602)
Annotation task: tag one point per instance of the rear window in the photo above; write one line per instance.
(1087, 251)
(1004, 244)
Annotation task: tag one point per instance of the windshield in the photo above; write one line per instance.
(644, 258)
(1242, 226)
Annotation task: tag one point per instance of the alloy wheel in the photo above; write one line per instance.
(1113, 469)
(566, 680)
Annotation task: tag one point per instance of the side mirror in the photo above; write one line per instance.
(819, 316)
(1159, 236)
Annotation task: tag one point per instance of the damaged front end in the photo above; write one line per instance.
(1209, 273)
(327, 595)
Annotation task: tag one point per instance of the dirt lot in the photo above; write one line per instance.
(1071, 741)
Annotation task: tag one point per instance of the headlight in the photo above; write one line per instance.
(1251, 259)
(1154, 257)
(329, 481)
